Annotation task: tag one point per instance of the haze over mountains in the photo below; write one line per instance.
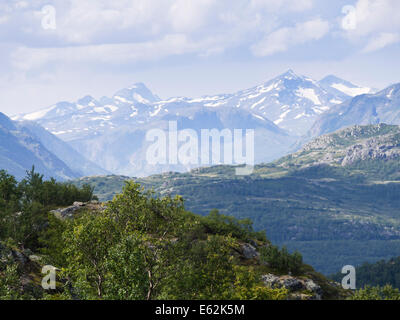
(382, 107)
(26, 144)
(111, 131)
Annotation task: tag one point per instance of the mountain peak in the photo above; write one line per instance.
(331, 78)
(290, 73)
(345, 89)
(137, 92)
(86, 100)
(391, 92)
(138, 86)
(6, 122)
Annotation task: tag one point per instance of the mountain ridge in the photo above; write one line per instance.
(381, 107)
(26, 144)
(279, 111)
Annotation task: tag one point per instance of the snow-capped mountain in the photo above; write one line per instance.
(112, 130)
(291, 101)
(342, 88)
(382, 107)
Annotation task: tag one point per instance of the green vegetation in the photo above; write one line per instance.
(381, 273)
(323, 211)
(24, 205)
(376, 293)
(105, 187)
(24, 218)
(282, 260)
(336, 201)
(138, 246)
(143, 247)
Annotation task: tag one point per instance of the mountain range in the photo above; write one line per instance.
(381, 107)
(280, 111)
(26, 144)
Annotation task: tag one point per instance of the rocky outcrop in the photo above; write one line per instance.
(71, 211)
(349, 146)
(249, 251)
(304, 289)
(376, 148)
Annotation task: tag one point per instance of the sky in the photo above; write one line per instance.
(58, 50)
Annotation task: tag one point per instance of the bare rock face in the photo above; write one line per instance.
(249, 252)
(66, 213)
(78, 204)
(376, 148)
(69, 212)
(348, 146)
(304, 289)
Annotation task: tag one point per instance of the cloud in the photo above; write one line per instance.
(93, 21)
(381, 41)
(376, 22)
(284, 38)
(288, 5)
(140, 30)
(25, 58)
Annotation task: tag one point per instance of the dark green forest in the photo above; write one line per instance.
(140, 246)
(136, 247)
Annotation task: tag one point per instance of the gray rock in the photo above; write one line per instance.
(78, 204)
(271, 280)
(293, 285)
(249, 251)
(66, 212)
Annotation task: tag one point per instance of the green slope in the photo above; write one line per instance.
(337, 200)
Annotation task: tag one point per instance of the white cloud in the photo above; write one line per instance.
(381, 41)
(288, 5)
(138, 30)
(83, 22)
(282, 39)
(25, 58)
(377, 22)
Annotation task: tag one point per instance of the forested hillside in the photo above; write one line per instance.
(381, 273)
(336, 200)
(138, 246)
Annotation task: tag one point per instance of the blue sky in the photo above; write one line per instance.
(65, 49)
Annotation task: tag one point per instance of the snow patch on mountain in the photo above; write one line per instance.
(309, 94)
(351, 91)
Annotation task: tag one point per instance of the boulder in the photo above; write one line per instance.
(294, 285)
(78, 204)
(249, 252)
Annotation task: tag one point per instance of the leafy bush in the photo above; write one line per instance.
(217, 223)
(377, 293)
(282, 259)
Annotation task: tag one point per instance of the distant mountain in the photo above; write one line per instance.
(342, 88)
(382, 107)
(26, 143)
(348, 147)
(112, 130)
(73, 159)
(19, 151)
